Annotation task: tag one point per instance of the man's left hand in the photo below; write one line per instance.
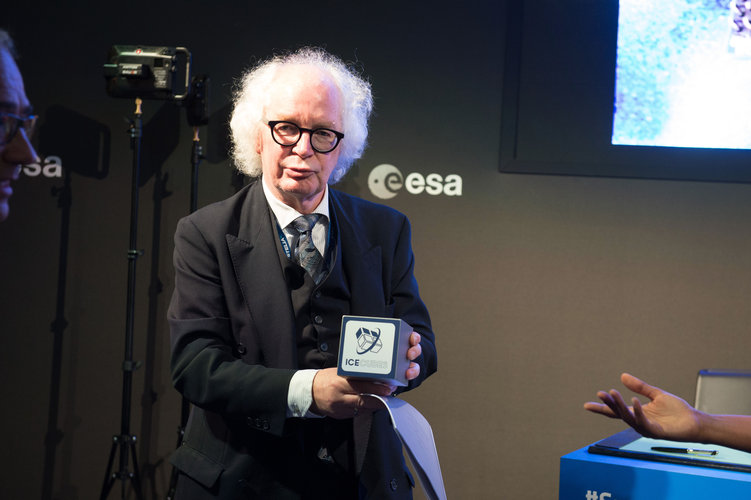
(413, 353)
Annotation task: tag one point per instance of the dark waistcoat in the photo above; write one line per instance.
(318, 309)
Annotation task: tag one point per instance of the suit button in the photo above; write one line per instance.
(394, 485)
(324, 346)
(317, 294)
(318, 319)
(241, 349)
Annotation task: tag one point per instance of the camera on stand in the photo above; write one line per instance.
(148, 72)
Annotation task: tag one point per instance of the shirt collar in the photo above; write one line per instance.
(285, 214)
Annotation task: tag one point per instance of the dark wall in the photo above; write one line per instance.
(542, 289)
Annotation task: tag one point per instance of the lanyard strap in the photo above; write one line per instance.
(283, 240)
(285, 243)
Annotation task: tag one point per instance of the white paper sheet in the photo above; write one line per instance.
(417, 437)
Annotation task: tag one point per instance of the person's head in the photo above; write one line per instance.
(17, 121)
(310, 89)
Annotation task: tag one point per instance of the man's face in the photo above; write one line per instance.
(297, 175)
(18, 151)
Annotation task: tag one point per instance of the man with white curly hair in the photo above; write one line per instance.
(262, 281)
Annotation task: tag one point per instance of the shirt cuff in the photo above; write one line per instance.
(300, 394)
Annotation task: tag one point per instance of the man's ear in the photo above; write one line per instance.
(259, 142)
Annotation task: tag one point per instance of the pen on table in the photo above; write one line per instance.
(685, 451)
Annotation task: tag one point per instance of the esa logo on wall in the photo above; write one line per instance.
(51, 167)
(385, 181)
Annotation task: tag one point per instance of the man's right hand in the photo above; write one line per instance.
(339, 397)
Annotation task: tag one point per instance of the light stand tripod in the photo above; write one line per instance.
(197, 109)
(126, 442)
(196, 157)
(54, 434)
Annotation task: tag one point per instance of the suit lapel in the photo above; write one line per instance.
(361, 261)
(260, 278)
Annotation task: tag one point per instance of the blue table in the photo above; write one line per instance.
(587, 476)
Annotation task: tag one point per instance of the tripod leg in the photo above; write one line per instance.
(109, 478)
(174, 474)
(136, 476)
(184, 415)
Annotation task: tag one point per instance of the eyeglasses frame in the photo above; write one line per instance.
(339, 135)
(20, 123)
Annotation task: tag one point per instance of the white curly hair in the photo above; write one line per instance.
(251, 97)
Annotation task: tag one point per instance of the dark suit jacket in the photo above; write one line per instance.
(234, 341)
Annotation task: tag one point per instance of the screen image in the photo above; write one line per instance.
(683, 74)
(631, 88)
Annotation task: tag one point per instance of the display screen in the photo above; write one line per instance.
(636, 88)
(683, 74)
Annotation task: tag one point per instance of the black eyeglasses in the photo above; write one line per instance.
(11, 124)
(323, 140)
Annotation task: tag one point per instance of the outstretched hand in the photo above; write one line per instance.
(665, 416)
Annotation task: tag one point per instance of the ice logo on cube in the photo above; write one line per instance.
(368, 340)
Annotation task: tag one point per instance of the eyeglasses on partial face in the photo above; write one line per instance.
(323, 140)
(12, 123)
